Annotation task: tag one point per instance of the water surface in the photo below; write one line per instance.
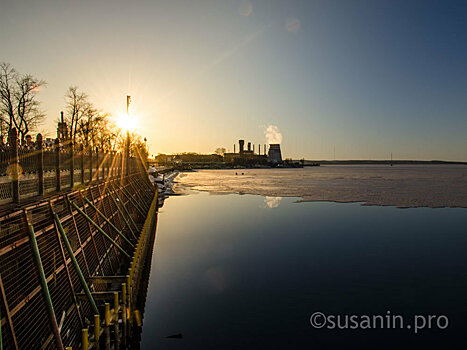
(246, 272)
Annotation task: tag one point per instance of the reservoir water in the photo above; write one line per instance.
(247, 272)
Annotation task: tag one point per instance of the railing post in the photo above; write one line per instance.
(120, 164)
(82, 163)
(84, 339)
(113, 163)
(90, 164)
(130, 310)
(124, 313)
(104, 163)
(97, 164)
(57, 165)
(72, 165)
(139, 322)
(40, 164)
(116, 307)
(97, 330)
(115, 321)
(127, 154)
(109, 164)
(107, 157)
(107, 325)
(13, 168)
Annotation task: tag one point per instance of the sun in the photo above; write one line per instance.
(126, 122)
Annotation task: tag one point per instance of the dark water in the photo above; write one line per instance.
(231, 273)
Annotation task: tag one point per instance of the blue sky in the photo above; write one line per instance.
(365, 78)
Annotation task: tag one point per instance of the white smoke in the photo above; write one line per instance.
(273, 135)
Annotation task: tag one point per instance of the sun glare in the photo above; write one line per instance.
(126, 122)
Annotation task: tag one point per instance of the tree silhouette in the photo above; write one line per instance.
(77, 107)
(19, 107)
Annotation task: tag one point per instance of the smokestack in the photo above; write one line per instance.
(241, 144)
(61, 116)
(264, 149)
(249, 146)
(234, 147)
(253, 148)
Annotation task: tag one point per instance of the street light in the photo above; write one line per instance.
(127, 141)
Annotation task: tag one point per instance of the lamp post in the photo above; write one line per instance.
(127, 141)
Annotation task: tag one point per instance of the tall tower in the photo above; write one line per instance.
(241, 144)
(62, 129)
(275, 153)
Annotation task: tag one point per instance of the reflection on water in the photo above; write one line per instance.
(228, 272)
(272, 202)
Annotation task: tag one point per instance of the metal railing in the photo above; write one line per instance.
(37, 168)
(60, 258)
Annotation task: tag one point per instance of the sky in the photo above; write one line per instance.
(339, 79)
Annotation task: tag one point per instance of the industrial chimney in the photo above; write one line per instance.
(242, 144)
(249, 146)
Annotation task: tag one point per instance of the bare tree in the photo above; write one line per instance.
(92, 127)
(19, 107)
(116, 139)
(220, 151)
(107, 133)
(77, 106)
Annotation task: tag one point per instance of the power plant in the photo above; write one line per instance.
(248, 156)
(245, 157)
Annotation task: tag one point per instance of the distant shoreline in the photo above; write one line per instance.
(376, 162)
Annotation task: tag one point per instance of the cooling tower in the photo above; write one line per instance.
(274, 154)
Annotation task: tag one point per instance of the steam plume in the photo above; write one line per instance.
(273, 135)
